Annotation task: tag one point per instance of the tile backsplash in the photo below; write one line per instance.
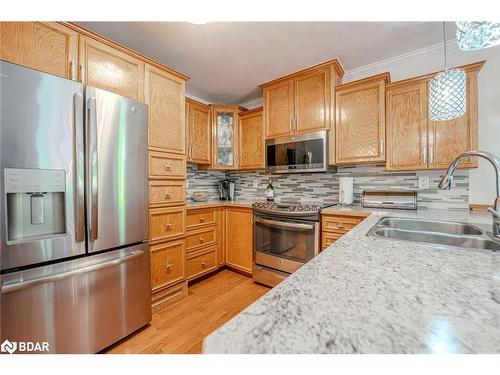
(324, 187)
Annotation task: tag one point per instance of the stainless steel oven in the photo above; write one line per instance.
(285, 237)
(298, 153)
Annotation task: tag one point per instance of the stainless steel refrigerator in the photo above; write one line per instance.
(74, 257)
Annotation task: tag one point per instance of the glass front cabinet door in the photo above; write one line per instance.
(225, 132)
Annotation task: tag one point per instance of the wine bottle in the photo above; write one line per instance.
(270, 191)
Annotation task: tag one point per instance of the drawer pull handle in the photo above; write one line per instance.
(340, 226)
(203, 265)
(168, 226)
(202, 240)
(168, 167)
(168, 267)
(167, 196)
(202, 219)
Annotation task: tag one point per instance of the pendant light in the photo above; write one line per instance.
(477, 35)
(447, 92)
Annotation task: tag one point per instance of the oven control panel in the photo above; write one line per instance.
(286, 208)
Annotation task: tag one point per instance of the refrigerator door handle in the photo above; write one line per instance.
(79, 168)
(9, 288)
(92, 166)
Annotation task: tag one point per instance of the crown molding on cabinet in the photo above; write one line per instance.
(82, 30)
(334, 63)
(254, 103)
(388, 64)
(197, 99)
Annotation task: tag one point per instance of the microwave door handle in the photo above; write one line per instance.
(92, 166)
(79, 168)
(283, 224)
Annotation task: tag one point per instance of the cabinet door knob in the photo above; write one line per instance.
(202, 219)
(168, 267)
(202, 240)
(167, 196)
(203, 265)
(168, 226)
(168, 167)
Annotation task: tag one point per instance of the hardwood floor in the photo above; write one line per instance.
(181, 327)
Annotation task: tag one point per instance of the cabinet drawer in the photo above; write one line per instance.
(162, 165)
(167, 193)
(201, 218)
(167, 264)
(201, 262)
(339, 224)
(166, 224)
(201, 238)
(327, 238)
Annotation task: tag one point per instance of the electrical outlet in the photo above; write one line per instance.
(423, 182)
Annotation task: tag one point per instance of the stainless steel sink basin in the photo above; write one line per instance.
(448, 227)
(439, 233)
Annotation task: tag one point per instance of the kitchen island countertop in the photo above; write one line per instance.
(368, 295)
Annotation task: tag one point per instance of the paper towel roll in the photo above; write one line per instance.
(346, 190)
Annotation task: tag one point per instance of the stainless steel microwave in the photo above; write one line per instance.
(298, 153)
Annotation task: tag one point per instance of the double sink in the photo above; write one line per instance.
(438, 233)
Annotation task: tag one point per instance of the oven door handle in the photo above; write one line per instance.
(284, 224)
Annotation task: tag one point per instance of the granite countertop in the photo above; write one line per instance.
(190, 204)
(367, 295)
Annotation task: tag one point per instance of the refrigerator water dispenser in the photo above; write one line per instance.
(35, 204)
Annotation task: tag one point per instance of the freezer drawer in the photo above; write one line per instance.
(80, 306)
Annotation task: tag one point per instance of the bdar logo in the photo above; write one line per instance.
(8, 347)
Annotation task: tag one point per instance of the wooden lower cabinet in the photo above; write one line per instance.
(201, 262)
(198, 218)
(239, 238)
(335, 225)
(203, 240)
(168, 264)
(166, 224)
(167, 193)
(163, 165)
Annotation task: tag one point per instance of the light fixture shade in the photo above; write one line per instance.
(447, 95)
(477, 35)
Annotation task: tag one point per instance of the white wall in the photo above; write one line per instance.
(427, 60)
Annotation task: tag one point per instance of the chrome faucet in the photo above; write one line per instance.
(445, 183)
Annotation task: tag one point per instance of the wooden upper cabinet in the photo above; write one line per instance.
(225, 136)
(239, 238)
(407, 127)
(360, 121)
(251, 136)
(312, 101)
(198, 132)
(449, 139)
(278, 101)
(110, 69)
(164, 94)
(45, 46)
(413, 140)
(301, 102)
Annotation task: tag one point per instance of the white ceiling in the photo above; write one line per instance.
(227, 60)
